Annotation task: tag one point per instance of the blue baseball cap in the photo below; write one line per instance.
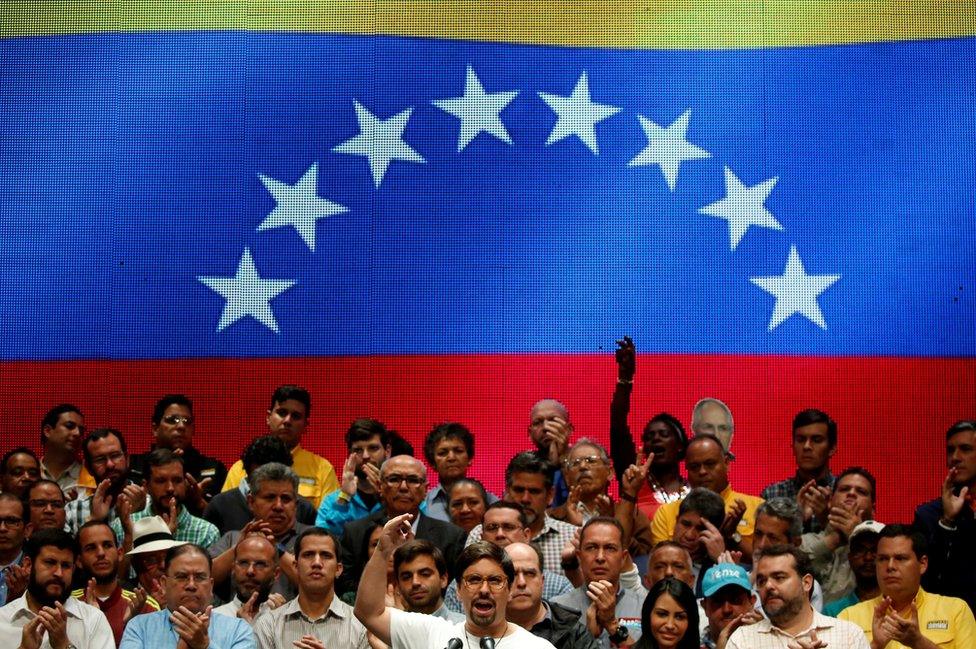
(725, 574)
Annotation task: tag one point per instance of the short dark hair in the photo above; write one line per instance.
(95, 523)
(364, 428)
(509, 504)
(484, 550)
(265, 449)
(469, 482)
(52, 417)
(96, 435)
(961, 426)
(784, 509)
(449, 430)
(800, 560)
(54, 537)
(188, 548)
(285, 392)
(45, 481)
(920, 545)
(602, 520)
(418, 548)
(706, 503)
(161, 457)
(24, 510)
(318, 531)
(864, 473)
(529, 462)
(167, 401)
(674, 424)
(19, 450)
(681, 593)
(814, 416)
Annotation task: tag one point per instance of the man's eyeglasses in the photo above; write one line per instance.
(11, 521)
(102, 460)
(395, 480)
(176, 420)
(474, 582)
(589, 460)
(247, 565)
(507, 527)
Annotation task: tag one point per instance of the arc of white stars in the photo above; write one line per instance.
(380, 141)
(743, 207)
(298, 205)
(577, 115)
(247, 294)
(795, 291)
(668, 147)
(479, 112)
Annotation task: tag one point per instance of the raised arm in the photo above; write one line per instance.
(371, 607)
(623, 452)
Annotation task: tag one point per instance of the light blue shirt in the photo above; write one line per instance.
(333, 517)
(154, 630)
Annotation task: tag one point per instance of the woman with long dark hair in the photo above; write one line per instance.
(669, 617)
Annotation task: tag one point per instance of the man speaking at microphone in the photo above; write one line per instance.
(484, 575)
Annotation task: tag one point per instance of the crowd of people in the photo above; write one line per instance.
(170, 548)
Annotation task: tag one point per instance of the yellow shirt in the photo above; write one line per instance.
(316, 477)
(946, 621)
(665, 518)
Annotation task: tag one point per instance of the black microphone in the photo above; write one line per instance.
(487, 642)
(454, 643)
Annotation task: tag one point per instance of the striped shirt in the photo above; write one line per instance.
(837, 634)
(338, 628)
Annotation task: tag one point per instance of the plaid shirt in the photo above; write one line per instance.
(78, 511)
(790, 487)
(189, 528)
(554, 535)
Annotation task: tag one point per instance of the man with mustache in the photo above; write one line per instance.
(106, 458)
(317, 618)
(421, 577)
(254, 573)
(19, 469)
(273, 499)
(166, 484)
(98, 558)
(46, 615)
(13, 530)
(785, 583)
(530, 610)
(369, 444)
(45, 504)
(612, 611)
(173, 427)
(728, 603)
(188, 621)
(485, 576)
(62, 430)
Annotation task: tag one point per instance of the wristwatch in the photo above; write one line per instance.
(621, 634)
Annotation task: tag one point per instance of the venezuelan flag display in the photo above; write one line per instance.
(440, 210)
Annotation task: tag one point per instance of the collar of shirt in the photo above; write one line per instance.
(15, 562)
(818, 622)
(111, 599)
(181, 517)
(244, 487)
(74, 470)
(22, 609)
(547, 527)
(293, 609)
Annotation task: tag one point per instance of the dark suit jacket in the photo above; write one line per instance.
(355, 538)
(229, 511)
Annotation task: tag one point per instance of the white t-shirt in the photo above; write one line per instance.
(420, 631)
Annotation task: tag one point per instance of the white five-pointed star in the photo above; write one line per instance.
(795, 291)
(298, 205)
(380, 141)
(743, 206)
(478, 111)
(247, 294)
(577, 115)
(667, 147)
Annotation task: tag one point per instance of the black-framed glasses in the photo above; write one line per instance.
(395, 480)
(474, 582)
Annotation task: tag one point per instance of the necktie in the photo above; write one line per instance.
(487, 643)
